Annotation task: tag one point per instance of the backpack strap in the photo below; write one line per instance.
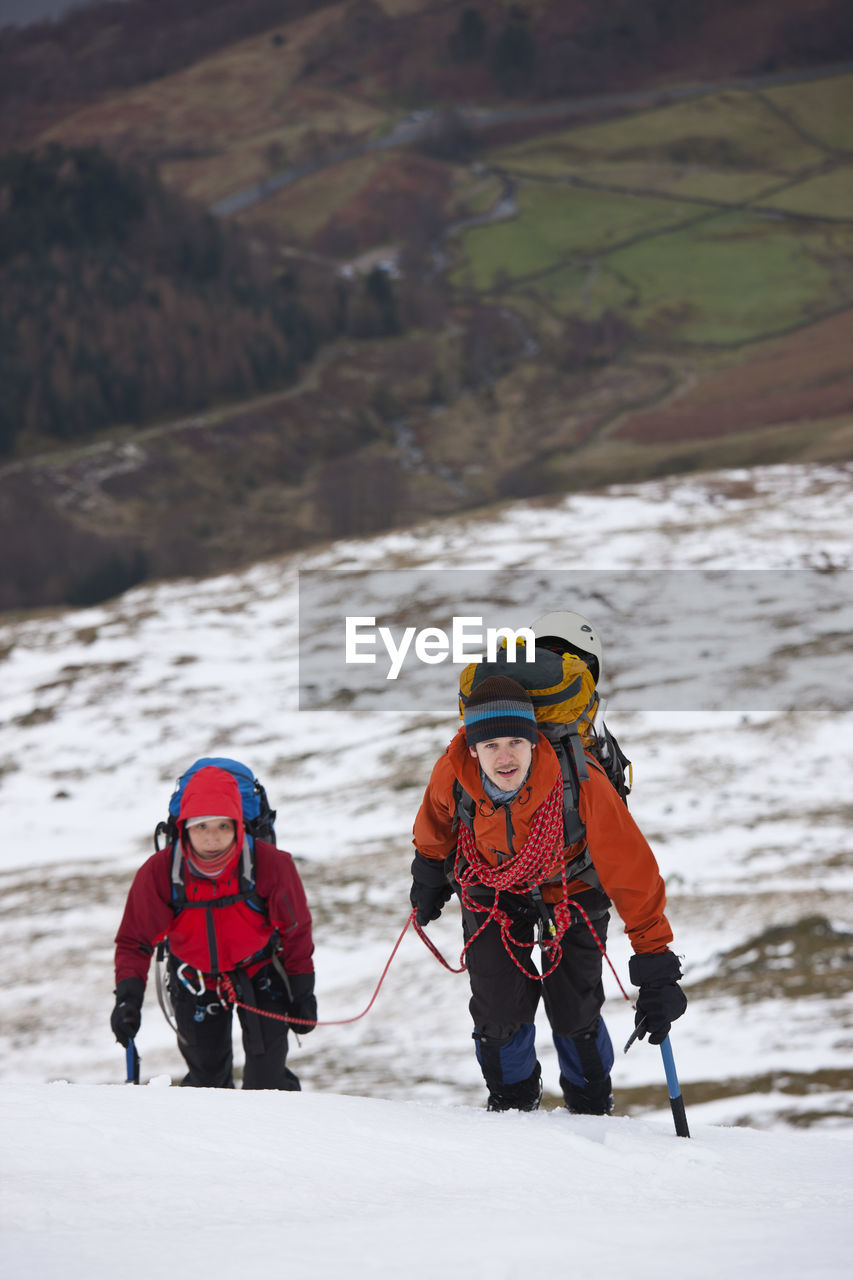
(573, 766)
(571, 756)
(466, 807)
(178, 896)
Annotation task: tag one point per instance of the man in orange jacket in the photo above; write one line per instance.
(509, 870)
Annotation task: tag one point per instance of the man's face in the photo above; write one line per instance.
(209, 839)
(504, 761)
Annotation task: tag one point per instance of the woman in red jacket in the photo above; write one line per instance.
(198, 896)
(512, 774)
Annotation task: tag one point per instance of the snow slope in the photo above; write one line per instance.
(99, 1182)
(386, 1163)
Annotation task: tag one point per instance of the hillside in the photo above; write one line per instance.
(118, 294)
(742, 778)
(521, 259)
(726, 611)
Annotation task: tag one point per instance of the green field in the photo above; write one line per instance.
(703, 221)
(553, 225)
(827, 195)
(726, 145)
(583, 292)
(822, 108)
(731, 280)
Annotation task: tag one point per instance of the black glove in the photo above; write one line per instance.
(429, 890)
(520, 908)
(126, 1017)
(303, 1002)
(660, 1000)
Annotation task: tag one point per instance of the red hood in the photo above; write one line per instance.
(212, 791)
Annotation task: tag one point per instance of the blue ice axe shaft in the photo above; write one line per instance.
(676, 1101)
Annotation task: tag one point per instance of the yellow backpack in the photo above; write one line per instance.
(561, 687)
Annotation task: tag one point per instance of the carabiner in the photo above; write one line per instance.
(185, 980)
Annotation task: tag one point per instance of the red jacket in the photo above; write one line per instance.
(625, 864)
(238, 931)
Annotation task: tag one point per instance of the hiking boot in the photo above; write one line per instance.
(595, 1099)
(524, 1096)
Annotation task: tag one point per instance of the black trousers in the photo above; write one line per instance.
(503, 998)
(205, 1033)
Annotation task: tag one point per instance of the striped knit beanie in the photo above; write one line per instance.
(499, 708)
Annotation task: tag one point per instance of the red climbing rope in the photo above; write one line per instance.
(533, 864)
(428, 942)
(528, 869)
(568, 902)
(227, 994)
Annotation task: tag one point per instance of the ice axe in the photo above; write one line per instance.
(676, 1101)
(132, 1058)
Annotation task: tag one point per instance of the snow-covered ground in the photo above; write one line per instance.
(726, 611)
(134, 1182)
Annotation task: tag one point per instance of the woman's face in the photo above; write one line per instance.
(210, 839)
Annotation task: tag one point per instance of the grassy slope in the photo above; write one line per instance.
(674, 219)
(674, 202)
(673, 290)
(222, 123)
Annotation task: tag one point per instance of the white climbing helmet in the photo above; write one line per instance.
(572, 633)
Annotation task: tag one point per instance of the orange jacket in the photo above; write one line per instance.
(625, 864)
